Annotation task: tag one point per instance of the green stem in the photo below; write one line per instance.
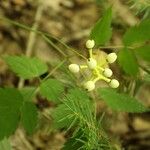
(53, 45)
(90, 53)
(117, 47)
(144, 68)
(42, 33)
(54, 69)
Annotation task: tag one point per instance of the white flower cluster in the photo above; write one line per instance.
(98, 72)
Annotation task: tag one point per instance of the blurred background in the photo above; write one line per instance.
(71, 22)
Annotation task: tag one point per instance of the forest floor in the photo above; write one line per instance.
(70, 21)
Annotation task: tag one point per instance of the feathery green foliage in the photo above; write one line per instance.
(76, 109)
(141, 7)
(74, 104)
(147, 78)
(5, 144)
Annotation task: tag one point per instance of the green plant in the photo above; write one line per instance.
(75, 107)
(141, 6)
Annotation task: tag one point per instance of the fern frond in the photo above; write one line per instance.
(80, 115)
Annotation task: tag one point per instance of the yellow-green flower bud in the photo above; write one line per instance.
(74, 68)
(114, 83)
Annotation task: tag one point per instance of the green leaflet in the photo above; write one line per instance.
(26, 67)
(52, 89)
(29, 116)
(10, 103)
(121, 102)
(5, 144)
(28, 93)
(128, 62)
(138, 33)
(143, 52)
(146, 78)
(101, 32)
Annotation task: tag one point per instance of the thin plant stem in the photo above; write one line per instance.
(116, 47)
(32, 38)
(54, 69)
(144, 68)
(53, 45)
(42, 33)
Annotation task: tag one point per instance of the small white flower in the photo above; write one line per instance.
(89, 85)
(114, 83)
(74, 68)
(92, 63)
(111, 57)
(108, 72)
(90, 44)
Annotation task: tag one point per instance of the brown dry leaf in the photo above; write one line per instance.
(54, 4)
(19, 2)
(140, 124)
(120, 124)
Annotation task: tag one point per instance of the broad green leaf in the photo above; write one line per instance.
(128, 62)
(5, 144)
(28, 93)
(10, 103)
(101, 32)
(52, 89)
(26, 67)
(121, 102)
(29, 116)
(143, 52)
(138, 33)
